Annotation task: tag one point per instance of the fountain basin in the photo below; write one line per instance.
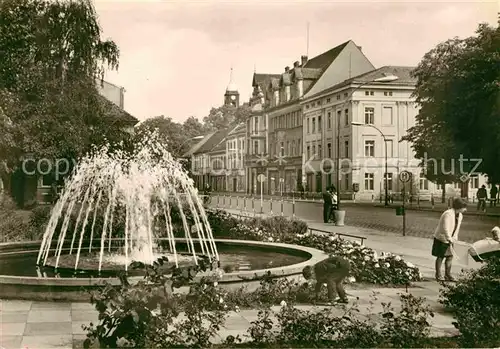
(19, 278)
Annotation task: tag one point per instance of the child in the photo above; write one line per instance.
(331, 271)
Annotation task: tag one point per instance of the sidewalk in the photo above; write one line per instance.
(413, 206)
(413, 249)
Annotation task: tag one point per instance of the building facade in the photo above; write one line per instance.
(235, 155)
(364, 121)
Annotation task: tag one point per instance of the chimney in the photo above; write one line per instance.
(287, 69)
(304, 60)
(296, 64)
(360, 48)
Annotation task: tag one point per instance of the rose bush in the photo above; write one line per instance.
(366, 265)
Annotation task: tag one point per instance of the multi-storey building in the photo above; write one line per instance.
(257, 136)
(235, 155)
(279, 112)
(368, 117)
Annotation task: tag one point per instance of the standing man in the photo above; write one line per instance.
(327, 205)
(493, 195)
(482, 195)
(331, 271)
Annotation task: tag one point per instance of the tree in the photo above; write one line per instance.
(171, 133)
(52, 54)
(193, 127)
(458, 90)
(222, 117)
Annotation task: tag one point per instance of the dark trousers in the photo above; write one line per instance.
(327, 210)
(481, 204)
(334, 286)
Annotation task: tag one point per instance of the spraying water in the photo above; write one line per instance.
(145, 186)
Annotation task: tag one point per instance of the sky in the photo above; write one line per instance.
(176, 56)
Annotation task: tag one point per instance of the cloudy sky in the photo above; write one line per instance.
(176, 55)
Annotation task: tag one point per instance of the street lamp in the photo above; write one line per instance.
(383, 79)
(386, 180)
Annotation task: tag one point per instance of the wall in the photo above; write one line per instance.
(112, 92)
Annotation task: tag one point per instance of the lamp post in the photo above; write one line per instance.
(386, 180)
(383, 79)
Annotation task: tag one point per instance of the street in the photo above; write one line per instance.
(418, 223)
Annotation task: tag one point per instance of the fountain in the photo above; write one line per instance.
(121, 207)
(145, 186)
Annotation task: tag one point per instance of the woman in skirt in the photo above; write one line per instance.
(445, 234)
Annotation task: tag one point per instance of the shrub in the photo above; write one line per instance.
(366, 264)
(39, 219)
(144, 315)
(14, 225)
(344, 328)
(475, 303)
(410, 327)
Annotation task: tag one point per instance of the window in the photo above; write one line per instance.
(369, 148)
(329, 149)
(390, 148)
(346, 181)
(299, 146)
(387, 93)
(319, 123)
(389, 180)
(423, 183)
(346, 149)
(313, 125)
(369, 115)
(307, 106)
(320, 154)
(256, 125)
(314, 150)
(308, 125)
(294, 151)
(439, 186)
(474, 181)
(338, 97)
(282, 148)
(345, 94)
(369, 93)
(329, 120)
(308, 152)
(346, 117)
(339, 116)
(369, 181)
(387, 116)
(264, 121)
(328, 100)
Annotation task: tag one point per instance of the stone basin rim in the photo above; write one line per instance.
(315, 256)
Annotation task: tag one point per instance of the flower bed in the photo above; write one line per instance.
(366, 265)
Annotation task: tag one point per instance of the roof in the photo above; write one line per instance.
(196, 146)
(114, 111)
(403, 74)
(263, 80)
(213, 141)
(241, 127)
(306, 73)
(324, 60)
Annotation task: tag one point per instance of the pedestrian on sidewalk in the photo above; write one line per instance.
(331, 271)
(482, 196)
(327, 205)
(445, 235)
(493, 195)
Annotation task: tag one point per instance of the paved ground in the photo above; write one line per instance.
(418, 223)
(43, 325)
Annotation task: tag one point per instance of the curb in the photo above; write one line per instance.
(409, 208)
